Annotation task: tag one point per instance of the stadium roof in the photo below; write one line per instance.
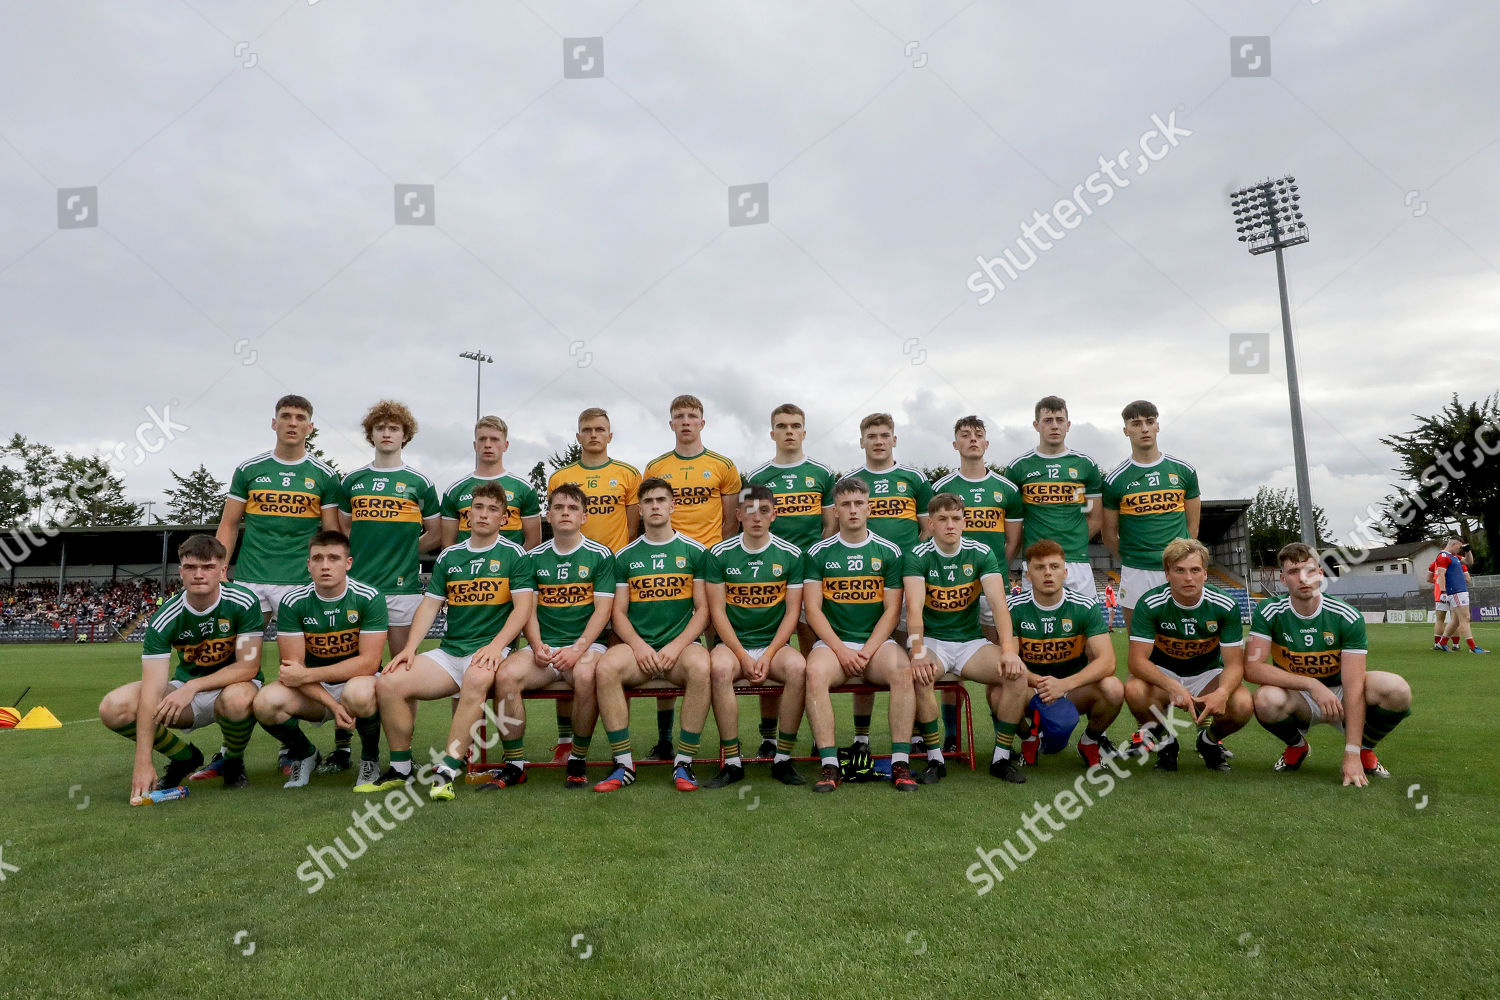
(98, 546)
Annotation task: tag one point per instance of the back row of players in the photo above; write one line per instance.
(890, 581)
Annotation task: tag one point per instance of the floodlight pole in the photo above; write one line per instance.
(480, 359)
(1299, 439)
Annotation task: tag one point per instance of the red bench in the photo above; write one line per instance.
(661, 688)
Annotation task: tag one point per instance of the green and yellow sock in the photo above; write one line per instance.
(342, 738)
(1288, 730)
(687, 747)
(564, 723)
(731, 751)
(236, 735)
(401, 760)
(453, 764)
(664, 725)
(1005, 739)
(515, 751)
(929, 731)
(862, 729)
(900, 752)
(581, 746)
(950, 721)
(785, 743)
(369, 737)
(767, 728)
(619, 744)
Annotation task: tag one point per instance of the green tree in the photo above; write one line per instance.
(13, 505)
(198, 498)
(1273, 520)
(932, 473)
(1452, 479)
(538, 479)
(88, 493)
(40, 465)
(321, 455)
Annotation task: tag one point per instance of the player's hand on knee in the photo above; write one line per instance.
(1049, 689)
(1328, 703)
(1011, 666)
(172, 706)
(401, 661)
(342, 717)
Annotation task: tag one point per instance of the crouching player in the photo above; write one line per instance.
(660, 611)
(755, 596)
(329, 633)
(1069, 661)
(944, 578)
(1187, 649)
(575, 591)
(1315, 671)
(215, 627)
(852, 587)
(486, 582)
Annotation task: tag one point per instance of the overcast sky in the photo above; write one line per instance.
(244, 240)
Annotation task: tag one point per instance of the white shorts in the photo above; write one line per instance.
(1441, 604)
(1080, 580)
(1459, 599)
(820, 644)
(401, 608)
(1197, 682)
(556, 675)
(203, 705)
(952, 656)
(270, 595)
(1135, 582)
(1317, 714)
(455, 665)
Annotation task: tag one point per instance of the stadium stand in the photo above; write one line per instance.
(97, 611)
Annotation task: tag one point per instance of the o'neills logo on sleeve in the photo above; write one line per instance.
(1047, 491)
(469, 593)
(283, 503)
(1155, 502)
(387, 509)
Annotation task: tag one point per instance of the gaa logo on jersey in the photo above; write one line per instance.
(682, 562)
(494, 565)
(583, 572)
(223, 624)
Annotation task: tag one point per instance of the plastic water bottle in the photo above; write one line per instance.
(163, 795)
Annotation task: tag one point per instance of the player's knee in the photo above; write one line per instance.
(1387, 690)
(236, 701)
(269, 703)
(1137, 691)
(117, 708)
(722, 669)
(1112, 691)
(1270, 703)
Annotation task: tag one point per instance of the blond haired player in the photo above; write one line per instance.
(523, 524)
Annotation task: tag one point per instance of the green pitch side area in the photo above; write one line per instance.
(1194, 884)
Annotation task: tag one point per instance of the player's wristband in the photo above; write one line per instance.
(1351, 748)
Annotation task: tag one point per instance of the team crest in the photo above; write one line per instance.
(875, 565)
(614, 482)
(494, 565)
(1067, 624)
(353, 617)
(1328, 638)
(583, 572)
(776, 569)
(1172, 478)
(998, 497)
(707, 474)
(400, 487)
(682, 562)
(809, 481)
(1212, 626)
(223, 624)
(1072, 472)
(900, 487)
(309, 484)
(968, 569)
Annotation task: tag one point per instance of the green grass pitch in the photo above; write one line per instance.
(1248, 884)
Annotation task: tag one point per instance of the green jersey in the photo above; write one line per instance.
(479, 586)
(567, 584)
(330, 629)
(520, 498)
(1054, 641)
(802, 491)
(283, 509)
(659, 578)
(207, 640)
(1310, 647)
(1152, 501)
(755, 585)
(853, 579)
(988, 502)
(1055, 490)
(897, 496)
(1187, 641)
(387, 508)
(950, 610)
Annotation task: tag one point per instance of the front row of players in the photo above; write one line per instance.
(1053, 664)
